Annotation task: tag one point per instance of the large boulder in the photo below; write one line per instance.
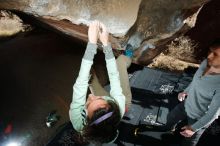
(140, 23)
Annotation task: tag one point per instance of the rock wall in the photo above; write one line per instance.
(206, 29)
(159, 19)
(10, 24)
(119, 16)
(155, 18)
(141, 23)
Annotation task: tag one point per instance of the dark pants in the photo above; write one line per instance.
(178, 114)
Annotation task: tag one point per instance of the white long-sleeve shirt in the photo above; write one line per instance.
(77, 107)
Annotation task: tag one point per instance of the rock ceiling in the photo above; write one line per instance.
(149, 25)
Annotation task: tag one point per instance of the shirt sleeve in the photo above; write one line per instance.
(199, 72)
(80, 89)
(116, 90)
(187, 88)
(212, 113)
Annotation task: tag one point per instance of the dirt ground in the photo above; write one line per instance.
(37, 71)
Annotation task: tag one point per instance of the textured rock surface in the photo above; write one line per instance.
(206, 28)
(155, 18)
(139, 23)
(10, 24)
(119, 16)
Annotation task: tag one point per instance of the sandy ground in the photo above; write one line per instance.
(37, 72)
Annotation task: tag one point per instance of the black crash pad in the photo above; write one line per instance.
(154, 94)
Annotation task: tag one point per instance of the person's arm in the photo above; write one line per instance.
(206, 120)
(116, 90)
(182, 96)
(212, 113)
(187, 88)
(81, 85)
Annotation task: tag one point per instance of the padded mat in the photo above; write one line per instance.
(154, 94)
